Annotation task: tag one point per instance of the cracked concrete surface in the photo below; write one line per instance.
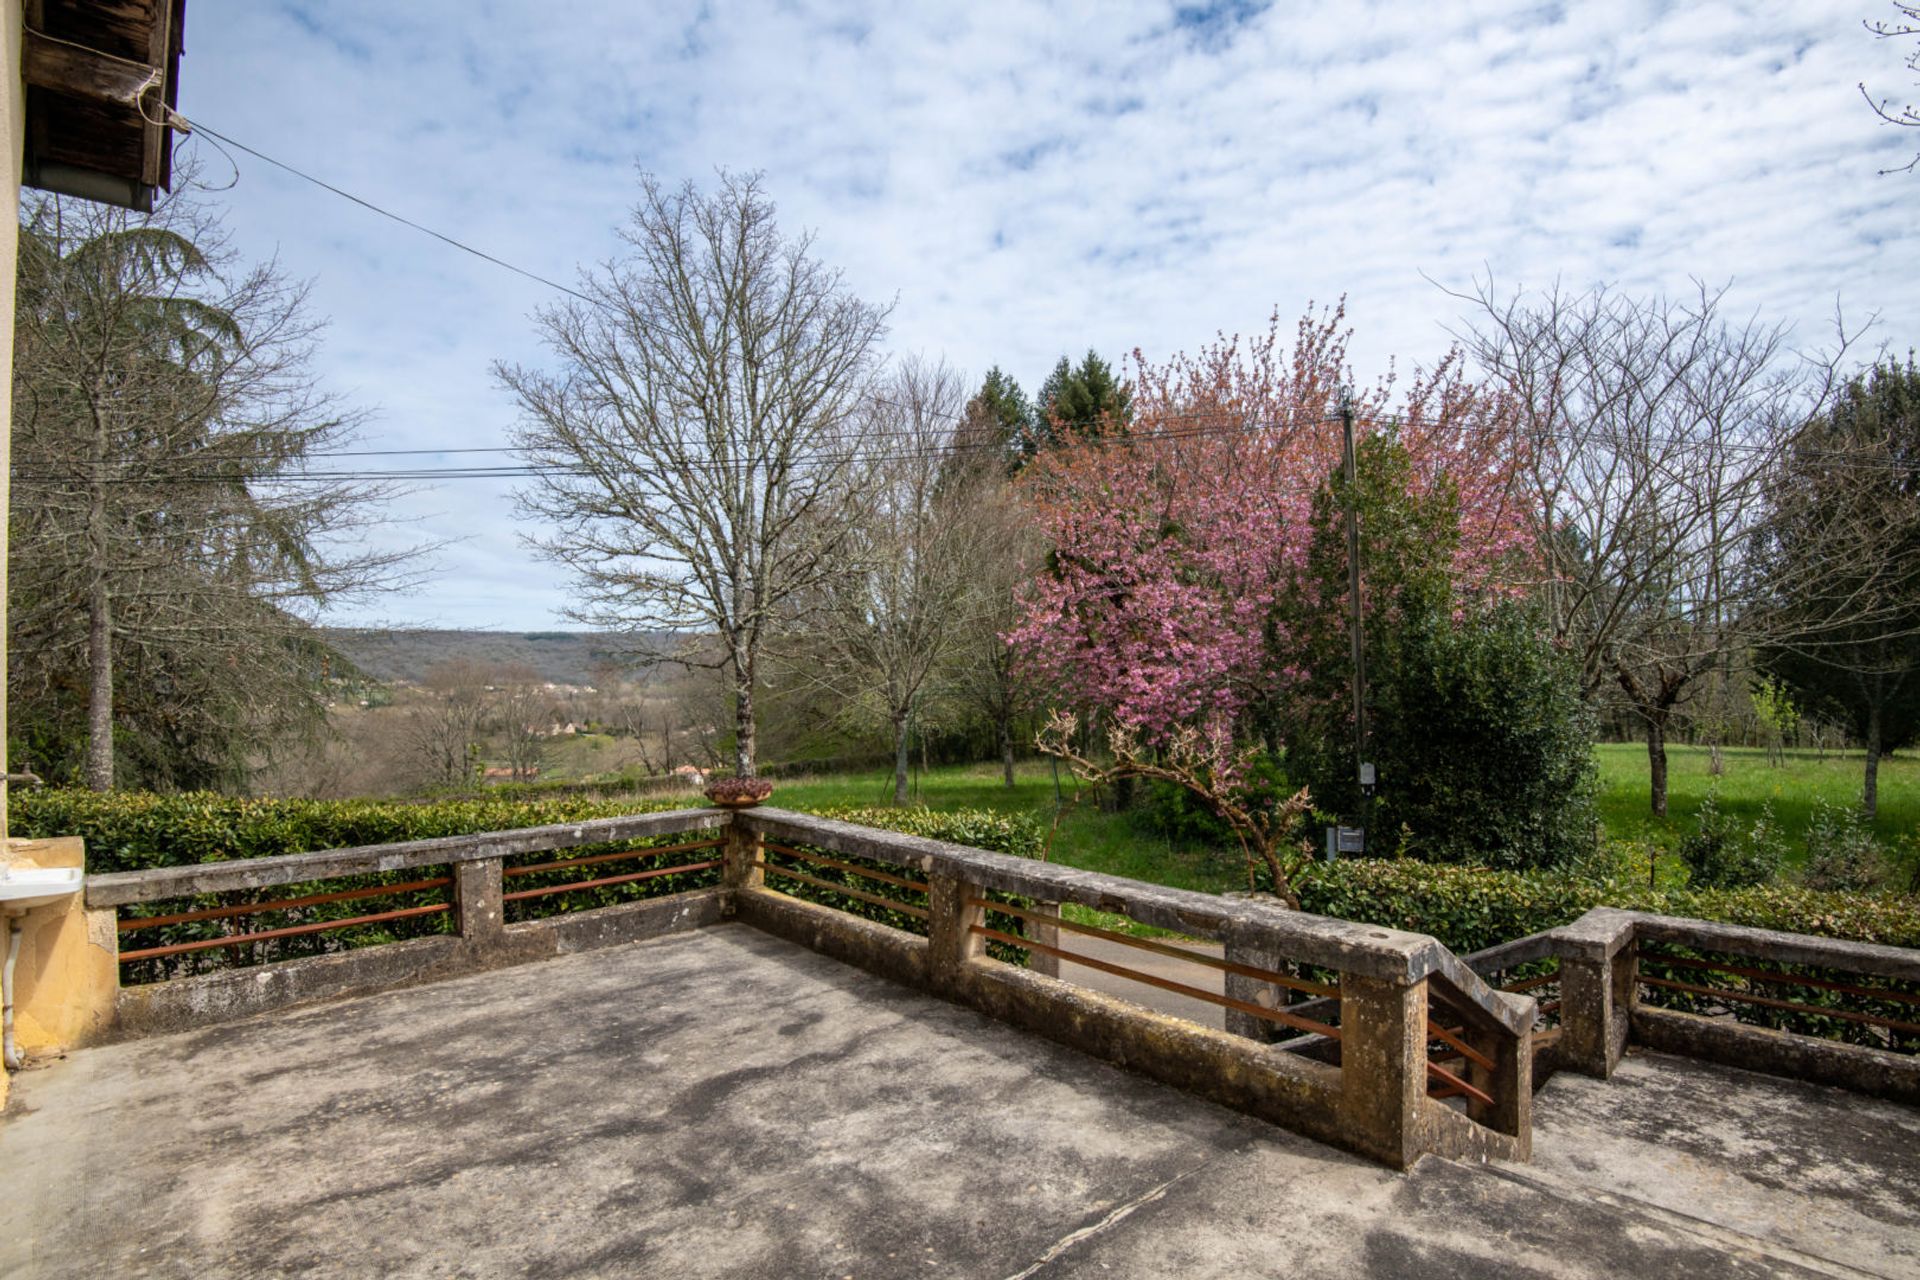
(722, 1103)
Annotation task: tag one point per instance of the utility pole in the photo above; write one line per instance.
(1363, 772)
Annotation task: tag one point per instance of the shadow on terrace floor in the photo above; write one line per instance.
(722, 1103)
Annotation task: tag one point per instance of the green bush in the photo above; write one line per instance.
(1719, 857)
(1841, 851)
(1482, 740)
(1019, 834)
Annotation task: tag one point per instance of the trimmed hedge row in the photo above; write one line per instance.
(132, 831)
(1470, 909)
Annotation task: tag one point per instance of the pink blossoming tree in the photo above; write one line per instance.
(1179, 544)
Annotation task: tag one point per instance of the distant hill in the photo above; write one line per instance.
(564, 657)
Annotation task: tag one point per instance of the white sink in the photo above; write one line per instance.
(23, 887)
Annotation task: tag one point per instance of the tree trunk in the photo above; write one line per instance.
(900, 761)
(743, 726)
(100, 686)
(1870, 788)
(1006, 747)
(1657, 762)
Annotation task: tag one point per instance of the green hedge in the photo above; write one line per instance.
(1470, 909)
(132, 831)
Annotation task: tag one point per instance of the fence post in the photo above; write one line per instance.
(1046, 934)
(1598, 977)
(951, 942)
(1383, 1065)
(744, 849)
(476, 896)
(1251, 952)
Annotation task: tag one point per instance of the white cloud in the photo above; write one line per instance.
(1031, 180)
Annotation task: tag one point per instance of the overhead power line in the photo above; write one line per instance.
(1232, 422)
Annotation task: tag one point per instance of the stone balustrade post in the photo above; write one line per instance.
(745, 849)
(477, 889)
(1255, 955)
(1047, 934)
(1598, 987)
(1383, 1065)
(951, 941)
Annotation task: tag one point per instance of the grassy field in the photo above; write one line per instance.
(1749, 783)
(1085, 837)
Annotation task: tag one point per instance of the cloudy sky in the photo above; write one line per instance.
(1029, 180)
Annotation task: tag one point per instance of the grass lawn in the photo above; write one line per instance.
(1085, 837)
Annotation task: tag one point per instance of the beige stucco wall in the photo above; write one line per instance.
(67, 973)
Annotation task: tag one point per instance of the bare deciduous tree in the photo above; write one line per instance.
(1650, 429)
(526, 709)
(445, 723)
(1904, 26)
(694, 435)
(889, 620)
(1003, 550)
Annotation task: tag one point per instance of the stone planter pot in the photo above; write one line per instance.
(739, 793)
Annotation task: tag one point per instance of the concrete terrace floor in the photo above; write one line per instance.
(727, 1104)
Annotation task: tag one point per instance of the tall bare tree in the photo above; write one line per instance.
(1651, 427)
(694, 435)
(1003, 551)
(167, 526)
(889, 620)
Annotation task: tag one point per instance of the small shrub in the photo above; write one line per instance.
(1841, 852)
(1718, 857)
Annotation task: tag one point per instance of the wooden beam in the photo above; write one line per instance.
(155, 140)
(86, 73)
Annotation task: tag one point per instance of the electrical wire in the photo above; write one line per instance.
(1236, 422)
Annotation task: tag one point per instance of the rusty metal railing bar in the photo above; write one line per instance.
(1530, 983)
(1451, 1085)
(1165, 984)
(132, 924)
(1814, 1010)
(1453, 1040)
(322, 926)
(1783, 979)
(630, 878)
(1160, 948)
(869, 873)
(849, 890)
(619, 856)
